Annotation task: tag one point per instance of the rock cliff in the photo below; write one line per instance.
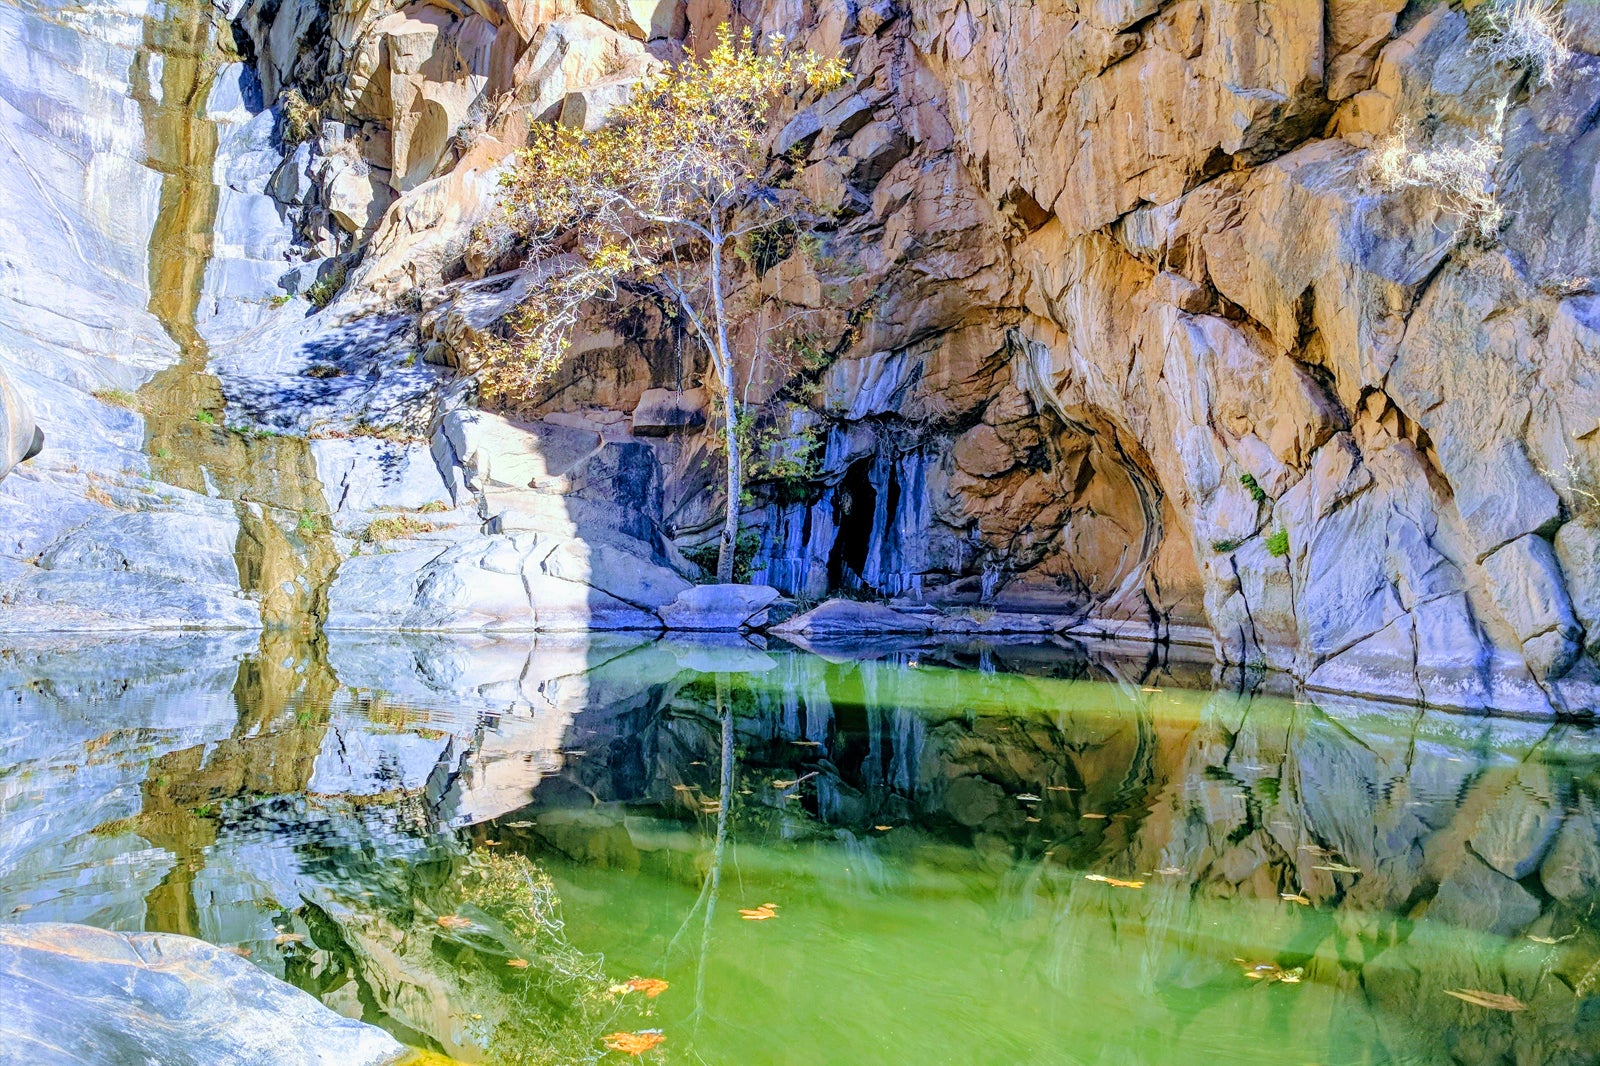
(1270, 327)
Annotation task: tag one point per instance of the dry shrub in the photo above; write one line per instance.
(1460, 176)
(301, 119)
(396, 527)
(1528, 34)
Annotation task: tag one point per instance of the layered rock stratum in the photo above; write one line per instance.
(1114, 324)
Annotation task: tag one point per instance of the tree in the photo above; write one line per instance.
(663, 197)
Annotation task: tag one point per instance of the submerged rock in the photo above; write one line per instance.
(76, 996)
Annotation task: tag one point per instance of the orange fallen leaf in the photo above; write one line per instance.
(759, 914)
(883, 828)
(289, 938)
(650, 986)
(1488, 1000)
(1114, 882)
(1295, 897)
(454, 921)
(634, 1043)
(242, 952)
(519, 964)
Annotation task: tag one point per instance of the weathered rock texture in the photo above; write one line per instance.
(75, 994)
(1109, 325)
(1114, 324)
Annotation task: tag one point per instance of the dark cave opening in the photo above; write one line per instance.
(853, 505)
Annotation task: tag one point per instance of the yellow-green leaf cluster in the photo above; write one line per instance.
(677, 174)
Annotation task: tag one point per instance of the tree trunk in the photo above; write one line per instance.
(730, 526)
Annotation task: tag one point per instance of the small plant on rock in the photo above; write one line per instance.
(395, 527)
(1257, 493)
(321, 292)
(1278, 543)
(117, 398)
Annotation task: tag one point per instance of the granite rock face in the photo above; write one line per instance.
(75, 994)
(1114, 322)
(1121, 322)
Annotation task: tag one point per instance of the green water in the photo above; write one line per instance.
(924, 822)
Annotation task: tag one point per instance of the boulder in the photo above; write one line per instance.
(719, 607)
(850, 617)
(1525, 582)
(20, 439)
(78, 995)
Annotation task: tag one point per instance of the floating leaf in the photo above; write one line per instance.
(1027, 797)
(1338, 868)
(1551, 939)
(1114, 882)
(1295, 897)
(289, 938)
(491, 843)
(1100, 816)
(634, 1043)
(759, 914)
(1268, 972)
(1487, 1000)
(242, 952)
(1170, 871)
(517, 964)
(1031, 818)
(454, 921)
(883, 828)
(1059, 788)
(650, 986)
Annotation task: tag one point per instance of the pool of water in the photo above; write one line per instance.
(930, 854)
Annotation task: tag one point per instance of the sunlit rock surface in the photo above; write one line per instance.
(80, 995)
(1108, 330)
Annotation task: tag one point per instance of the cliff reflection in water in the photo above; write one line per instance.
(924, 821)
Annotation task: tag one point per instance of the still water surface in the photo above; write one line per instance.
(949, 854)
